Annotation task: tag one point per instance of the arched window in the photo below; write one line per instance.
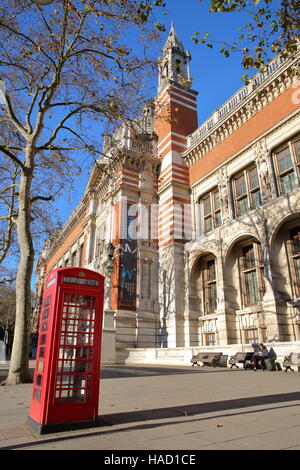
(166, 70)
(209, 285)
(178, 65)
(204, 286)
(251, 273)
(294, 258)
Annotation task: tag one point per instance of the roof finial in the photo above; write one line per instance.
(172, 30)
(172, 39)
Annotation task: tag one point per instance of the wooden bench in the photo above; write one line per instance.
(293, 359)
(207, 359)
(240, 358)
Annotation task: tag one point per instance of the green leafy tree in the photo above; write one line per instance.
(273, 27)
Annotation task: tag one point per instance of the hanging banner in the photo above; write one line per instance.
(128, 264)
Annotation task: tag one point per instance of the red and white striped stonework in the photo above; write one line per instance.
(176, 119)
(128, 176)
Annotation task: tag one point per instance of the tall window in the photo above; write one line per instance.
(252, 275)
(210, 286)
(210, 339)
(80, 261)
(246, 191)
(74, 258)
(295, 259)
(178, 66)
(211, 210)
(251, 336)
(287, 166)
(101, 240)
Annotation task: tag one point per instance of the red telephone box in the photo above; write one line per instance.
(67, 373)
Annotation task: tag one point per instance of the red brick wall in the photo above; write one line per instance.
(274, 112)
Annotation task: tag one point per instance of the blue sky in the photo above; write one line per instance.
(216, 77)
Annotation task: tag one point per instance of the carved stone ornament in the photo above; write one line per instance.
(261, 159)
(223, 189)
(215, 138)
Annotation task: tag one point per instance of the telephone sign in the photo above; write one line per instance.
(67, 373)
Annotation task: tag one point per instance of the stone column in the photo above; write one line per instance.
(226, 315)
(269, 304)
(171, 294)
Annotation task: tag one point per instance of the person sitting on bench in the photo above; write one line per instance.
(262, 354)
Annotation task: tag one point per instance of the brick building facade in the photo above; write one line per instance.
(197, 228)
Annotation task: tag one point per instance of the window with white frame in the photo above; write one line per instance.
(211, 210)
(210, 285)
(287, 166)
(251, 336)
(251, 274)
(246, 191)
(210, 339)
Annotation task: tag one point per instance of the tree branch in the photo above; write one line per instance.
(41, 198)
(11, 114)
(11, 155)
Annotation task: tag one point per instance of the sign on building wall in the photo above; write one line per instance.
(128, 265)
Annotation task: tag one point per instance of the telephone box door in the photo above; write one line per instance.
(77, 380)
(67, 374)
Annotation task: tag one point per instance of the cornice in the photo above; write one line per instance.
(241, 152)
(258, 99)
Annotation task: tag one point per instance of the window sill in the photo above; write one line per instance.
(211, 316)
(249, 309)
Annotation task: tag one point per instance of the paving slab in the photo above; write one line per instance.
(170, 408)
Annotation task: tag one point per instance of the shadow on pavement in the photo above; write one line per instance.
(123, 371)
(198, 409)
(187, 410)
(126, 371)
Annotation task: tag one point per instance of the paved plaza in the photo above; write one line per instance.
(171, 408)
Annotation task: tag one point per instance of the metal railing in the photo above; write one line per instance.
(235, 100)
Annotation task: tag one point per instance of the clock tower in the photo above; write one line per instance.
(175, 119)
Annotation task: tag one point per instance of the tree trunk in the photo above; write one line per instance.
(19, 363)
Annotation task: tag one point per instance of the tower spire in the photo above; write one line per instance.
(174, 65)
(173, 40)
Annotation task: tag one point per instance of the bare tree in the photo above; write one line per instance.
(67, 67)
(8, 189)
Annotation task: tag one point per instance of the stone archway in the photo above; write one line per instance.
(285, 270)
(202, 300)
(244, 290)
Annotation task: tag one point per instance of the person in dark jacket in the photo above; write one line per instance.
(263, 353)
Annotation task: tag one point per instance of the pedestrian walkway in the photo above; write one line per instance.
(171, 408)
